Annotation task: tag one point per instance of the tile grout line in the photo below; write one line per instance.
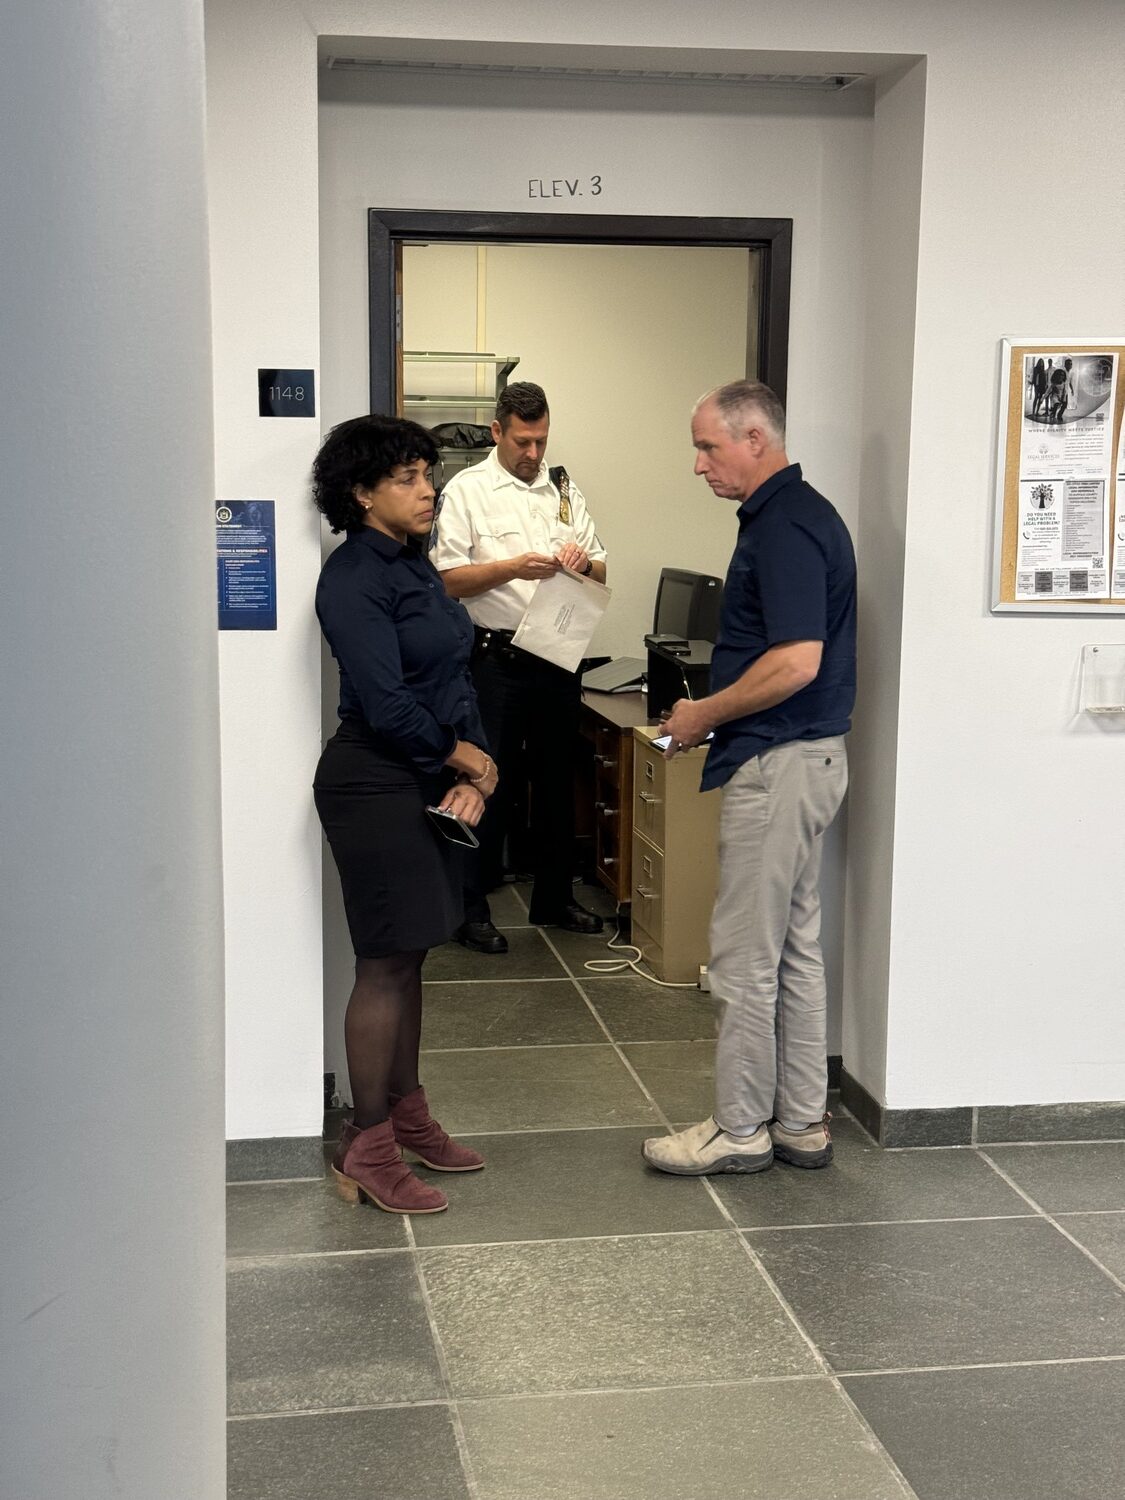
(625, 1041)
(1092, 1140)
(477, 1135)
(525, 979)
(254, 1257)
(336, 1411)
(592, 1239)
(519, 899)
(512, 1047)
(821, 1362)
(1095, 1140)
(269, 1181)
(575, 1239)
(631, 1390)
(881, 1223)
(466, 1135)
(594, 978)
(749, 1382)
(443, 1366)
(1054, 1223)
(1000, 1364)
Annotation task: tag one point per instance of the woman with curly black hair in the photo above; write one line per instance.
(409, 737)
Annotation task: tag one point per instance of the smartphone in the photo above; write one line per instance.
(455, 829)
(662, 741)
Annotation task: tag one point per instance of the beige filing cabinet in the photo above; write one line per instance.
(675, 859)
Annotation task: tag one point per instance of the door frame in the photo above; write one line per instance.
(389, 229)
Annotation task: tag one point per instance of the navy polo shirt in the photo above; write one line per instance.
(402, 645)
(792, 578)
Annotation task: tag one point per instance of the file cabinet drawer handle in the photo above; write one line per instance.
(650, 799)
(647, 894)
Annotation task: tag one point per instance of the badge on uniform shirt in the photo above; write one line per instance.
(562, 480)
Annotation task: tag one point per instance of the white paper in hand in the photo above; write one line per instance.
(561, 619)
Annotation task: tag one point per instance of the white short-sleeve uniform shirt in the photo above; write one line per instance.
(488, 514)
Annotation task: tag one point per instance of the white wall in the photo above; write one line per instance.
(265, 313)
(892, 271)
(1009, 803)
(111, 1043)
(986, 999)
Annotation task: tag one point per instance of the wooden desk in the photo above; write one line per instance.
(607, 720)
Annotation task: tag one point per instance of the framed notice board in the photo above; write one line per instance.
(1060, 478)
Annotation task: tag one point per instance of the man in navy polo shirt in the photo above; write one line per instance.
(782, 691)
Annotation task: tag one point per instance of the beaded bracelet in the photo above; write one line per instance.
(489, 770)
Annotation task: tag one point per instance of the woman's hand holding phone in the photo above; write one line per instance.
(464, 800)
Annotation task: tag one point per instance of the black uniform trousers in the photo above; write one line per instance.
(529, 709)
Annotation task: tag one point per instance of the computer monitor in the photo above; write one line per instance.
(687, 604)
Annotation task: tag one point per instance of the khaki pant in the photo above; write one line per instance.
(766, 968)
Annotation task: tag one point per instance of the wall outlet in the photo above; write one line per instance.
(704, 979)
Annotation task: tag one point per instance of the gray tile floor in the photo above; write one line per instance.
(943, 1323)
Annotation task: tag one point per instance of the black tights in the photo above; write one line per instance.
(382, 1028)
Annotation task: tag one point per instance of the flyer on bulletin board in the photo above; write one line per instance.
(247, 561)
(1065, 475)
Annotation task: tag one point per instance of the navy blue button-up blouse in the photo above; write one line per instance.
(402, 646)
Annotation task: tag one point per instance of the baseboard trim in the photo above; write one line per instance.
(1098, 1121)
(987, 1124)
(274, 1157)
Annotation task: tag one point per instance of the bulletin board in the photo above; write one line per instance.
(1060, 478)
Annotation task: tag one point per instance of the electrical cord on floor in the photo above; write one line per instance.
(608, 966)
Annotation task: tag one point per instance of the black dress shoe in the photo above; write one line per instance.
(482, 937)
(571, 918)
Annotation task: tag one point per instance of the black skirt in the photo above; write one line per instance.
(400, 878)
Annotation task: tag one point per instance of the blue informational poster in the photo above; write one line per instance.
(247, 565)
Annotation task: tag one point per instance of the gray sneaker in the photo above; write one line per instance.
(802, 1148)
(705, 1148)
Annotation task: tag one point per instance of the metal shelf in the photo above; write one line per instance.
(452, 357)
(472, 402)
(505, 364)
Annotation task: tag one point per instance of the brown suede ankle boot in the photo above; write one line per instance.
(368, 1164)
(417, 1130)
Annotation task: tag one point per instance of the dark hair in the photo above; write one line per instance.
(361, 452)
(524, 400)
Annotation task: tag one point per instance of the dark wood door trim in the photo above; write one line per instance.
(388, 229)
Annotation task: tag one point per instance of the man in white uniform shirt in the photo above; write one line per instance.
(504, 524)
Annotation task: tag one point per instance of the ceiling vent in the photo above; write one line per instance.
(831, 83)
